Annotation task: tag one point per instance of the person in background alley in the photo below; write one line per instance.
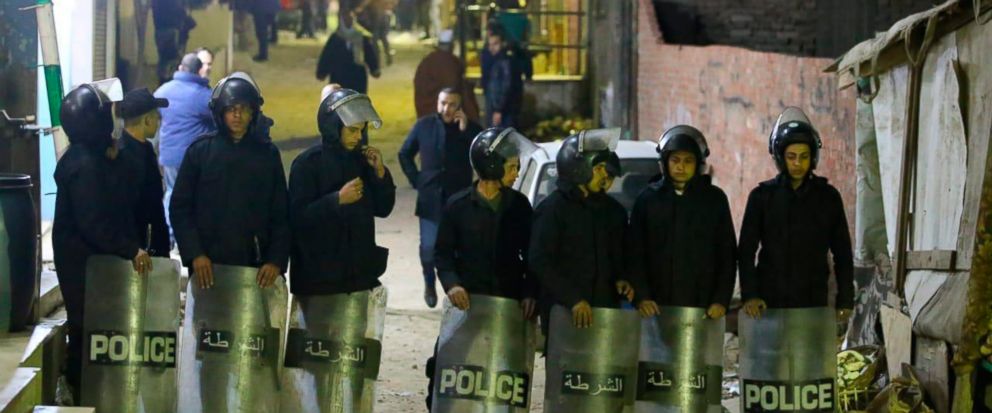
(681, 242)
(442, 141)
(795, 219)
(88, 221)
(337, 189)
(263, 13)
(504, 83)
(140, 111)
(172, 26)
(230, 205)
(576, 248)
(207, 59)
(349, 56)
(484, 235)
(438, 70)
(376, 15)
(306, 20)
(187, 118)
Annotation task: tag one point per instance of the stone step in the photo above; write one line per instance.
(46, 351)
(50, 294)
(22, 392)
(61, 409)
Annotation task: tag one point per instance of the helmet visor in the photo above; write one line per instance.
(595, 140)
(510, 143)
(357, 109)
(791, 114)
(111, 87)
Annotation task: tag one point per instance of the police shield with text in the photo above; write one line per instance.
(91, 181)
(485, 352)
(576, 252)
(337, 189)
(794, 220)
(681, 249)
(132, 350)
(229, 214)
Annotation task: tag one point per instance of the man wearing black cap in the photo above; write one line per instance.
(139, 109)
(229, 205)
(681, 244)
(91, 187)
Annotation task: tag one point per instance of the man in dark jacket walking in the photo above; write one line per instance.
(263, 13)
(442, 141)
(504, 82)
(681, 245)
(336, 190)
(229, 205)
(139, 109)
(349, 56)
(576, 243)
(92, 186)
(484, 236)
(795, 219)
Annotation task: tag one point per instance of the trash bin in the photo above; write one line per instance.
(18, 251)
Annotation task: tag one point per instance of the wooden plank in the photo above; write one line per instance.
(22, 393)
(897, 329)
(932, 363)
(938, 260)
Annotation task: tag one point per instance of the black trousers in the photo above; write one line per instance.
(265, 31)
(167, 45)
(73, 283)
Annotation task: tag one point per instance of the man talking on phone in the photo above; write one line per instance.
(442, 141)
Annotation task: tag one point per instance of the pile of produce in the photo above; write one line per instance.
(558, 127)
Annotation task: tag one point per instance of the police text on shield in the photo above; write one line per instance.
(157, 349)
(777, 396)
(475, 383)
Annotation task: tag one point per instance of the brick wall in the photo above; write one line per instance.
(802, 27)
(734, 95)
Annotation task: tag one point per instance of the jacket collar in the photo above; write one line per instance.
(190, 78)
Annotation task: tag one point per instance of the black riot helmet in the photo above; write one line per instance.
(682, 138)
(232, 90)
(581, 152)
(793, 127)
(491, 149)
(344, 107)
(87, 116)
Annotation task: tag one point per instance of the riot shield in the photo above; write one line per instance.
(485, 358)
(130, 348)
(681, 362)
(332, 359)
(788, 360)
(592, 370)
(232, 336)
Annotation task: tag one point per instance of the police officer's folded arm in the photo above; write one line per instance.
(840, 247)
(181, 211)
(748, 247)
(94, 217)
(545, 243)
(532, 286)
(309, 209)
(726, 249)
(383, 192)
(277, 252)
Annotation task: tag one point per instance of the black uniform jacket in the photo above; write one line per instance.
(334, 248)
(88, 218)
(485, 251)
(681, 248)
(795, 229)
(230, 204)
(145, 192)
(576, 249)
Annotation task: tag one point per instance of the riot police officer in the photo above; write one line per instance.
(796, 219)
(576, 244)
(229, 204)
(337, 189)
(92, 186)
(681, 243)
(484, 233)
